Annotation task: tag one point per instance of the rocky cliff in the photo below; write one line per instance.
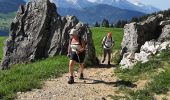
(143, 39)
(38, 31)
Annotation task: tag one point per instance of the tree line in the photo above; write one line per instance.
(121, 23)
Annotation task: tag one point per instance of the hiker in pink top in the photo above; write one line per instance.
(76, 53)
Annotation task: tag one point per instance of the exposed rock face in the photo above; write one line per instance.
(165, 36)
(38, 31)
(147, 50)
(163, 23)
(144, 39)
(136, 34)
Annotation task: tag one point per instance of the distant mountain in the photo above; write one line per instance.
(146, 8)
(7, 6)
(5, 20)
(76, 4)
(4, 33)
(7, 13)
(122, 4)
(99, 12)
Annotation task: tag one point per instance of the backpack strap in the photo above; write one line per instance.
(106, 38)
(80, 40)
(105, 41)
(69, 46)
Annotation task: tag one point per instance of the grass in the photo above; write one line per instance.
(1, 47)
(24, 77)
(100, 32)
(139, 71)
(160, 81)
(144, 69)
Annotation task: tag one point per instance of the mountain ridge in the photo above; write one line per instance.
(98, 13)
(122, 4)
(7, 6)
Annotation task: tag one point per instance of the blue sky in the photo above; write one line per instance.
(161, 4)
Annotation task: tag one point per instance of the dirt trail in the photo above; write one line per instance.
(97, 85)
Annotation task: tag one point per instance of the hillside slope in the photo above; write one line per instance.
(5, 20)
(7, 13)
(7, 6)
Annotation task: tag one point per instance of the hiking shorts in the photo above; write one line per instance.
(107, 51)
(79, 58)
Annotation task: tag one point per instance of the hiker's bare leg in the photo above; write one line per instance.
(104, 57)
(71, 67)
(109, 56)
(81, 67)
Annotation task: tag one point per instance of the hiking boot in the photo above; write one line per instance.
(71, 80)
(109, 63)
(81, 76)
(103, 60)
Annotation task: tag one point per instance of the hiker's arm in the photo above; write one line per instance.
(103, 41)
(83, 45)
(69, 49)
(113, 43)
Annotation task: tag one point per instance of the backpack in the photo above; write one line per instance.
(80, 41)
(112, 42)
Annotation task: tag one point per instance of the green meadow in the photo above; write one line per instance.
(100, 32)
(25, 77)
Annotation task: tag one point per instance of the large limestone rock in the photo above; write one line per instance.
(144, 39)
(165, 36)
(166, 22)
(136, 34)
(128, 60)
(147, 50)
(38, 31)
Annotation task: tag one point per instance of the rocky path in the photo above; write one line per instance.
(98, 84)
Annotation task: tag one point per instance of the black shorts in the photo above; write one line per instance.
(79, 58)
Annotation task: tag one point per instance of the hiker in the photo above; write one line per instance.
(76, 53)
(107, 45)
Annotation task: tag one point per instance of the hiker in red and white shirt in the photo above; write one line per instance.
(107, 44)
(76, 53)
